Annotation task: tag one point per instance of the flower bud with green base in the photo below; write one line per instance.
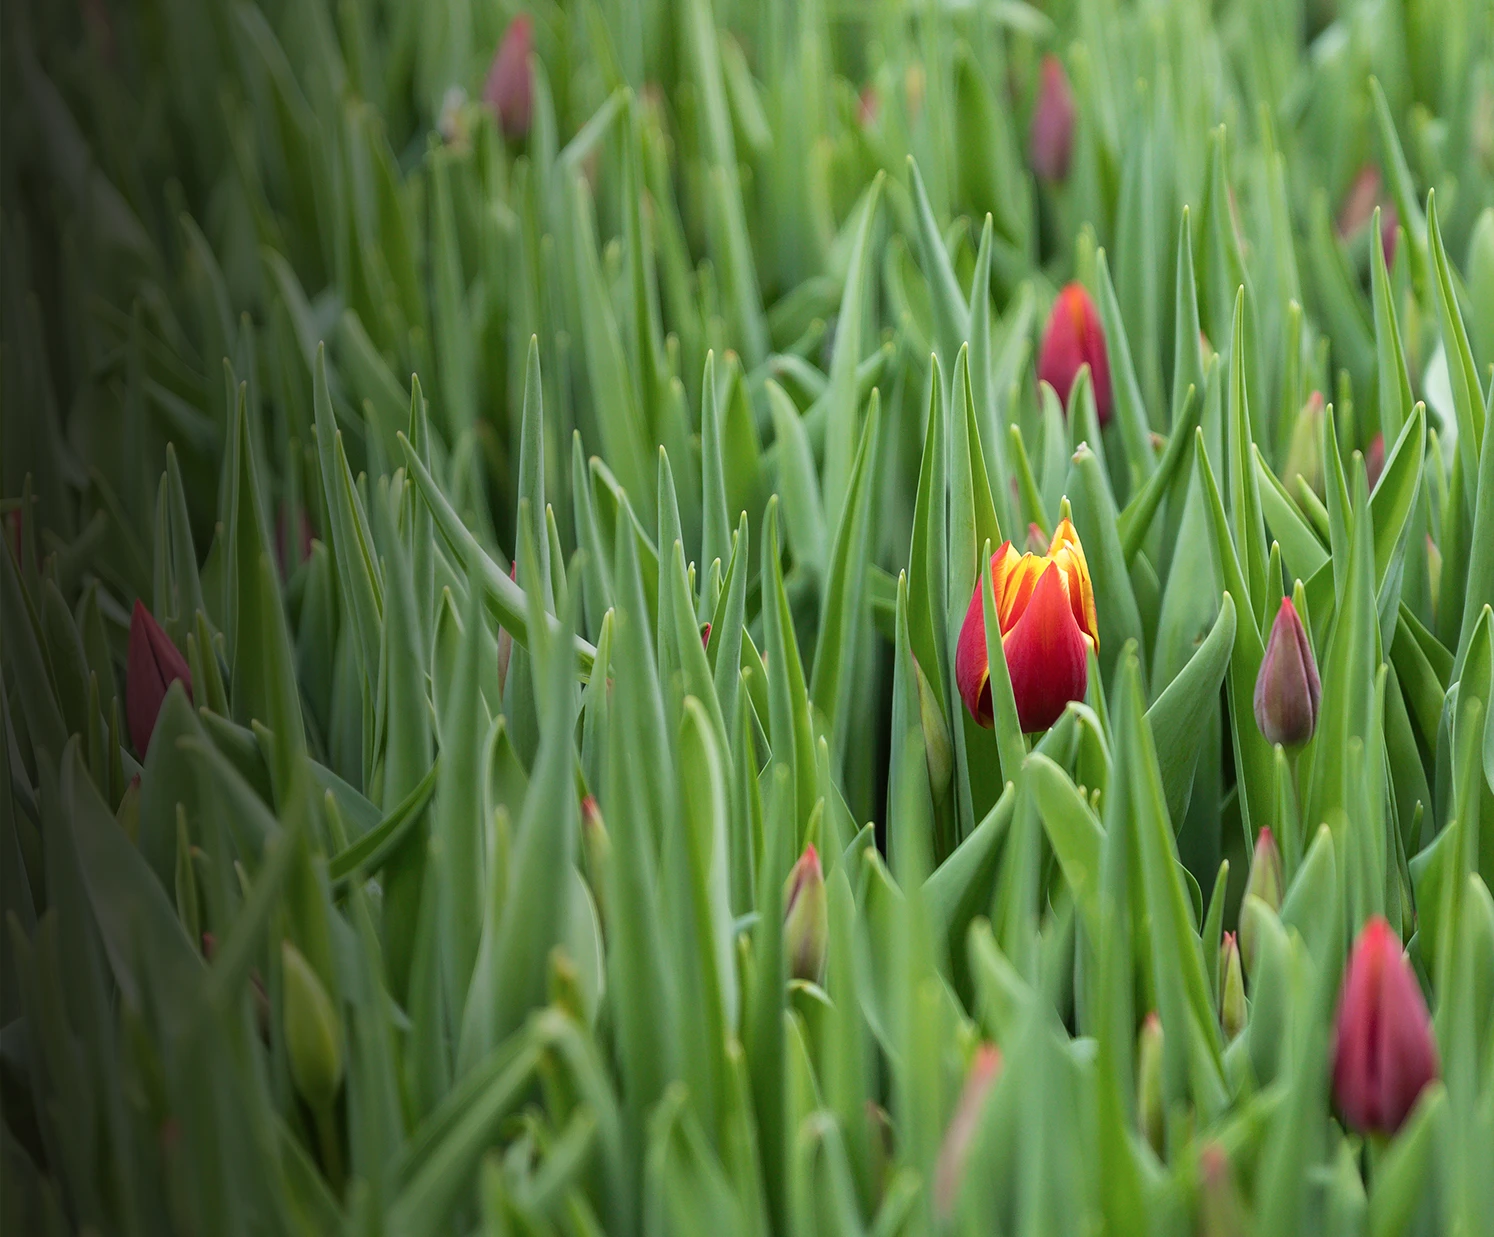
(1265, 882)
(1288, 691)
(806, 917)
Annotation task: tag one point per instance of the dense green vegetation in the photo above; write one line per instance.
(517, 716)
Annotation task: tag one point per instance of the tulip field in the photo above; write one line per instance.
(866, 618)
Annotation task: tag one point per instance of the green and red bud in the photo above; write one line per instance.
(1231, 988)
(1383, 1050)
(806, 917)
(954, 1151)
(1264, 882)
(1287, 688)
(1150, 1109)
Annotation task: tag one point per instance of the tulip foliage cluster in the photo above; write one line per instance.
(704, 616)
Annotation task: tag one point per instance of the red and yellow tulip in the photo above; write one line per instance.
(1046, 606)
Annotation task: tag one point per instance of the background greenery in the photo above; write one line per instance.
(741, 332)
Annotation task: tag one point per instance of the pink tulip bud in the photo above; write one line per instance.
(868, 106)
(153, 663)
(509, 88)
(1052, 137)
(1287, 689)
(1221, 1211)
(1389, 221)
(1383, 1051)
(949, 1169)
(1360, 201)
(1150, 1107)
(705, 635)
(1374, 459)
(806, 917)
(1074, 337)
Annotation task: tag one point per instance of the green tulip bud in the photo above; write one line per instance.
(1231, 988)
(1149, 1104)
(1265, 883)
(806, 917)
(313, 1038)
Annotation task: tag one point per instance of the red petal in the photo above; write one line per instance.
(972, 671)
(1046, 655)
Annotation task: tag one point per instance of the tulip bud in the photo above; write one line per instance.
(1305, 450)
(1231, 988)
(949, 1169)
(1389, 223)
(510, 85)
(596, 853)
(1221, 1211)
(127, 814)
(1287, 689)
(153, 664)
(868, 106)
(505, 640)
(936, 741)
(1374, 459)
(1265, 883)
(1052, 137)
(1074, 337)
(1037, 540)
(705, 635)
(1383, 1051)
(806, 917)
(313, 1040)
(1360, 201)
(1149, 1107)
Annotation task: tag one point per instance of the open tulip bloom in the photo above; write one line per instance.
(1046, 606)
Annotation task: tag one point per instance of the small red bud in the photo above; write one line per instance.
(1383, 1051)
(1052, 136)
(153, 663)
(509, 88)
(1374, 459)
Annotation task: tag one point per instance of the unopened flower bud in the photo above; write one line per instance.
(596, 853)
(509, 89)
(1231, 988)
(1149, 1105)
(954, 1151)
(1305, 450)
(1264, 883)
(806, 917)
(1074, 337)
(313, 1038)
(1374, 459)
(1221, 1211)
(1383, 1051)
(1052, 137)
(1287, 688)
(153, 664)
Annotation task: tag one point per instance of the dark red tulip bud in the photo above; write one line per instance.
(153, 663)
(1383, 1051)
(1052, 137)
(1287, 689)
(1374, 459)
(954, 1151)
(806, 917)
(509, 89)
(1074, 337)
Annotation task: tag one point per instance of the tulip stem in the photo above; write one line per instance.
(330, 1145)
